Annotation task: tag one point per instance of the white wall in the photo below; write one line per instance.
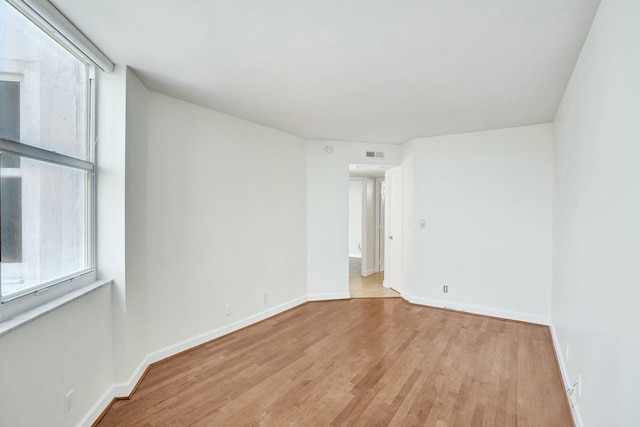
(136, 187)
(328, 212)
(408, 212)
(355, 217)
(226, 219)
(73, 347)
(40, 362)
(212, 211)
(486, 199)
(121, 158)
(110, 161)
(596, 245)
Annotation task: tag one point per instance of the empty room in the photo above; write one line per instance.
(177, 207)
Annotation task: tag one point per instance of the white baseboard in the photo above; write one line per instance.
(330, 296)
(487, 311)
(575, 410)
(97, 408)
(116, 390)
(224, 330)
(125, 389)
(525, 317)
(358, 255)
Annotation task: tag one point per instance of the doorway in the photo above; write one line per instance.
(367, 200)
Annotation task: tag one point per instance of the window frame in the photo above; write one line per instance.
(37, 295)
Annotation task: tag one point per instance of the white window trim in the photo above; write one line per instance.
(32, 314)
(51, 21)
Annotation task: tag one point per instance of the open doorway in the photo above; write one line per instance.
(367, 198)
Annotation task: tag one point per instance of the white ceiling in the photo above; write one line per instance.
(354, 70)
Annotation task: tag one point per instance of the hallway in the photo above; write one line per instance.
(367, 287)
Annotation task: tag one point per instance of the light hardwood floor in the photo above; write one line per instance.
(360, 362)
(366, 287)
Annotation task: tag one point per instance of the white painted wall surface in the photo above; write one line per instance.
(408, 212)
(486, 200)
(73, 347)
(355, 217)
(40, 362)
(110, 160)
(328, 212)
(226, 219)
(597, 220)
(136, 212)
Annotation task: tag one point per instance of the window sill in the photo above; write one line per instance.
(9, 325)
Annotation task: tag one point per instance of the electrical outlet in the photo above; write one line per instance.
(445, 288)
(68, 404)
(265, 297)
(227, 309)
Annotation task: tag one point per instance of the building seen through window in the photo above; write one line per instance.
(46, 169)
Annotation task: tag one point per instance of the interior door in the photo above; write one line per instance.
(393, 229)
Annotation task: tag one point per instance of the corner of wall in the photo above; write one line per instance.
(125, 388)
(575, 410)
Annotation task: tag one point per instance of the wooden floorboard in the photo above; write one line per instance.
(359, 362)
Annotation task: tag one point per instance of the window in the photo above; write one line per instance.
(46, 166)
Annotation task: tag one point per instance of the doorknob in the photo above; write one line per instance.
(390, 237)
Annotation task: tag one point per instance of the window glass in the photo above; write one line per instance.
(46, 192)
(51, 84)
(44, 224)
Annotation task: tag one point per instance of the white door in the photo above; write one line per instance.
(393, 229)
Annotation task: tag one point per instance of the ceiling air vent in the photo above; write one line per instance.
(375, 154)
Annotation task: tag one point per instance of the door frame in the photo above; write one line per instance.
(394, 237)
